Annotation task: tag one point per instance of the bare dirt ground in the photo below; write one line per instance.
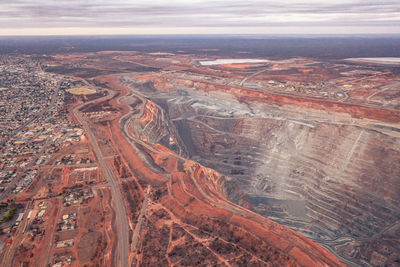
(176, 210)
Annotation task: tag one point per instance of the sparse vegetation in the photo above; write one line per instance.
(8, 214)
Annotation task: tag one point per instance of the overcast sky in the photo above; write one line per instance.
(37, 17)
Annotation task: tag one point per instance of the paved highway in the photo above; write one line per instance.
(120, 212)
(8, 258)
(51, 245)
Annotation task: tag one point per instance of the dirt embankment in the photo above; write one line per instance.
(166, 84)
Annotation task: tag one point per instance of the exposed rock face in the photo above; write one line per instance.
(322, 180)
(324, 172)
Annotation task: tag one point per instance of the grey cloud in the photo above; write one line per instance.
(73, 13)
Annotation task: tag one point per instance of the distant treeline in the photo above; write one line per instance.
(239, 46)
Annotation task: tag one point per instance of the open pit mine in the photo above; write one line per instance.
(214, 161)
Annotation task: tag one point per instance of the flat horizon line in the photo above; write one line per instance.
(349, 35)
